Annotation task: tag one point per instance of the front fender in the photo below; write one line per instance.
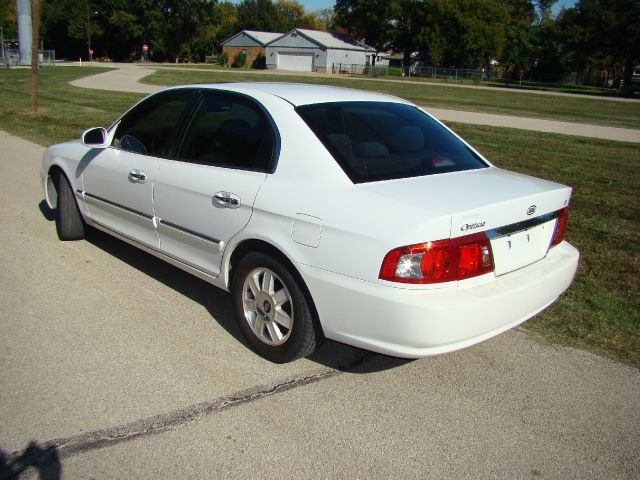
(62, 158)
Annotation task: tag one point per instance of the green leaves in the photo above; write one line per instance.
(183, 29)
(459, 32)
(279, 16)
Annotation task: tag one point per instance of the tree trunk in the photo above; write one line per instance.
(627, 78)
(88, 31)
(406, 61)
(406, 58)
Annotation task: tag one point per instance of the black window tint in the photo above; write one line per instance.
(229, 131)
(380, 141)
(151, 126)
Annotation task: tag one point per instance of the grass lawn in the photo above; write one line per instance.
(600, 312)
(63, 111)
(396, 72)
(557, 87)
(564, 108)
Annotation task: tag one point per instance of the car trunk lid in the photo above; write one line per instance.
(517, 212)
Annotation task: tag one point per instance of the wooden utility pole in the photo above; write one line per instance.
(35, 53)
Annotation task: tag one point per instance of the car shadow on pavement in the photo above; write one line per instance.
(44, 459)
(218, 303)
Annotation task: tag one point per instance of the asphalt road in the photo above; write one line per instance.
(116, 365)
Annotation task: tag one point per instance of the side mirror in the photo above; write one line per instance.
(95, 138)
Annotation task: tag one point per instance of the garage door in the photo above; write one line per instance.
(297, 61)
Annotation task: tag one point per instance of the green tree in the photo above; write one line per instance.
(463, 31)
(288, 13)
(8, 20)
(326, 17)
(119, 28)
(434, 43)
(258, 15)
(215, 22)
(520, 35)
(106, 26)
(408, 20)
(384, 25)
(369, 20)
(550, 58)
(225, 21)
(281, 16)
(475, 29)
(599, 36)
(544, 9)
(72, 25)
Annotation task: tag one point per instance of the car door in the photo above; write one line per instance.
(205, 196)
(118, 181)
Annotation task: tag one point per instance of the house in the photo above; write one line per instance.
(315, 51)
(389, 59)
(251, 42)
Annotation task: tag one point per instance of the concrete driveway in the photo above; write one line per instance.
(116, 365)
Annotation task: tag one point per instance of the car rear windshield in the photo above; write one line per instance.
(375, 141)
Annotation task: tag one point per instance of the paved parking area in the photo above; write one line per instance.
(116, 365)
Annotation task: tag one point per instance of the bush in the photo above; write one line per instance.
(185, 54)
(223, 59)
(240, 60)
(260, 62)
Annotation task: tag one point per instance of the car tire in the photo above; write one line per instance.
(272, 310)
(69, 222)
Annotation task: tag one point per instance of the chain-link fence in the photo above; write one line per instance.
(454, 74)
(413, 71)
(10, 57)
(368, 70)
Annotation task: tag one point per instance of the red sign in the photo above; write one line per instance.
(145, 48)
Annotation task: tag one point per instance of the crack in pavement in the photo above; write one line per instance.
(77, 444)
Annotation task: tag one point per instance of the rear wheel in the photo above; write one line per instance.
(69, 222)
(271, 309)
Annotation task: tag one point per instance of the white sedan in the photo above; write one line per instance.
(326, 212)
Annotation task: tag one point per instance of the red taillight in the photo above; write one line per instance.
(439, 261)
(561, 227)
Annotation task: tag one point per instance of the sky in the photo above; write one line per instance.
(311, 5)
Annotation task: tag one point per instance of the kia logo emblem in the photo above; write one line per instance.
(531, 210)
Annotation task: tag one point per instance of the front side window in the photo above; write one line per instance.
(229, 131)
(151, 126)
(375, 141)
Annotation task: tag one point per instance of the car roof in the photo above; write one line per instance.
(303, 94)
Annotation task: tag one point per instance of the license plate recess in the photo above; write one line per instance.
(519, 249)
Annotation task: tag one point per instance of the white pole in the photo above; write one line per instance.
(23, 12)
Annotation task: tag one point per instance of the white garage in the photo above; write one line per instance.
(296, 61)
(303, 50)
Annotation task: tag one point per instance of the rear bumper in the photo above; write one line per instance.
(415, 323)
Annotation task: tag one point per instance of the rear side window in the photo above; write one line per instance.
(375, 141)
(229, 131)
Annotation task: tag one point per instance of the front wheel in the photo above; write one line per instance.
(271, 309)
(69, 222)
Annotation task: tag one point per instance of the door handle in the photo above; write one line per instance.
(137, 176)
(226, 200)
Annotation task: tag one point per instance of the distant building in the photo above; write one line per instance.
(315, 51)
(251, 42)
